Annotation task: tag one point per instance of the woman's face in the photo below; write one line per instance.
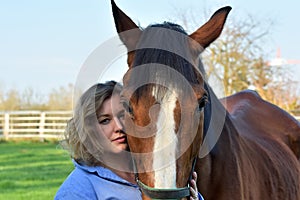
(111, 120)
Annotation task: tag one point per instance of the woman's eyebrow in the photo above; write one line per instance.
(103, 115)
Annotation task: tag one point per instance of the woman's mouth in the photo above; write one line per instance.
(121, 139)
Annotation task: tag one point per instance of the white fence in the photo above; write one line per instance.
(36, 124)
(33, 124)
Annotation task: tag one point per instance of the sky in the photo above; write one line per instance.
(45, 43)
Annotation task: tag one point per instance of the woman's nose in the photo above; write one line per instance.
(118, 124)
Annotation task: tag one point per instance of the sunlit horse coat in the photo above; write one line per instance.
(247, 148)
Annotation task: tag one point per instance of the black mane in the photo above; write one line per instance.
(171, 26)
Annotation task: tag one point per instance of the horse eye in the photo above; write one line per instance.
(127, 108)
(202, 102)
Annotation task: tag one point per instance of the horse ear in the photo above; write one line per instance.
(128, 31)
(212, 29)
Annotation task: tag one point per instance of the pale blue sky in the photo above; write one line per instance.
(43, 44)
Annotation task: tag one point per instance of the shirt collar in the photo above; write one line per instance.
(102, 172)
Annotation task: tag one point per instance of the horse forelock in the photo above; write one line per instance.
(163, 51)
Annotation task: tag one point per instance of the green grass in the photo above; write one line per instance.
(32, 170)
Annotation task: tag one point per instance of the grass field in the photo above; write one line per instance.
(32, 170)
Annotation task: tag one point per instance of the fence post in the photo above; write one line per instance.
(6, 125)
(42, 125)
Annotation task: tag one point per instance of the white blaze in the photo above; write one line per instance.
(164, 152)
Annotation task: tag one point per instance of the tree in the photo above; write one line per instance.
(57, 99)
(32, 100)
(238, 61)
(237, 58)
(61, 99)
(10, 100)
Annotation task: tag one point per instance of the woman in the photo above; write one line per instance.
(97, 144)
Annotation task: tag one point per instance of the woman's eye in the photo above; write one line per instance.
(104, 121)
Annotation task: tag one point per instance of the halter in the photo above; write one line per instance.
(155, 193)
(175, 193)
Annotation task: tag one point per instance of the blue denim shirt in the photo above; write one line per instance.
(97, 183)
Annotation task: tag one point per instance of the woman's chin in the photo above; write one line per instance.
(120, 147)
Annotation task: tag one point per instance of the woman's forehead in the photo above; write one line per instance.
(111, 105)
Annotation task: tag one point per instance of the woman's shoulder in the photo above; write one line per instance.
(76, 186)
(88, 182)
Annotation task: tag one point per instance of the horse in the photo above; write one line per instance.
(242, 147)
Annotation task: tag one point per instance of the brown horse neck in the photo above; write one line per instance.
(220, 168)
(222, 144)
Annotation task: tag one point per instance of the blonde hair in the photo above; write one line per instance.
(82, 138)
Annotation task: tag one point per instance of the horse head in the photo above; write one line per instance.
(164, 96)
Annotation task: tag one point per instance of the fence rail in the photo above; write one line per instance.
(33, 124)
(36, 124)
